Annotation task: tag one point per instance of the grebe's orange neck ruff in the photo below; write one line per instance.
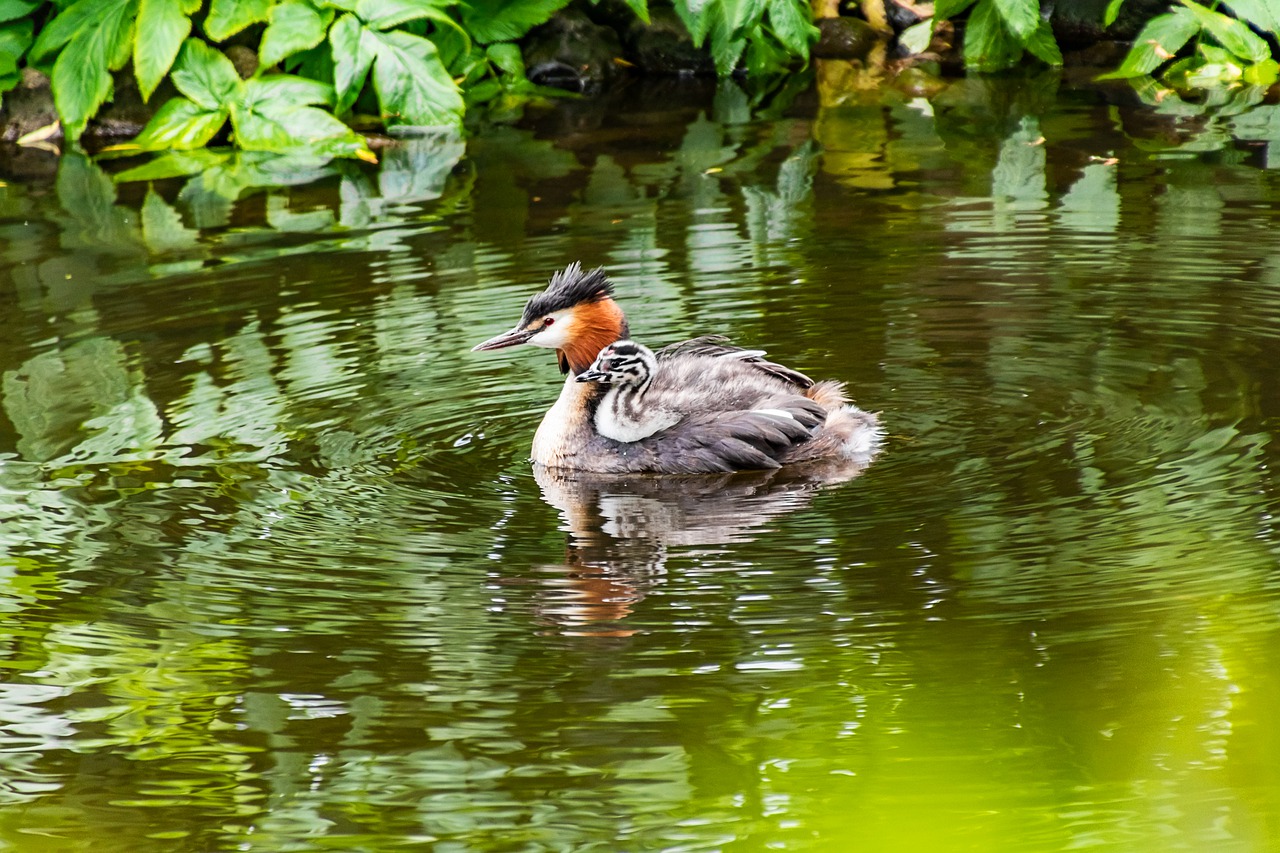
(595, 325)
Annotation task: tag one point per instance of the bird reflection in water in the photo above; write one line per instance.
(621, 529)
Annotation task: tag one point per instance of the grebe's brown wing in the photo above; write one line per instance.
(718, 346)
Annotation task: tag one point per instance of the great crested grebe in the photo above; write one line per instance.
(699, 406)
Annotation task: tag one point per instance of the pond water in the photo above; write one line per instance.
(276, 575)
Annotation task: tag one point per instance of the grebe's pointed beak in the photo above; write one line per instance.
(592, 376)
(515, 337)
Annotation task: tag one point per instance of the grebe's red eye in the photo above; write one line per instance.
(547, 321)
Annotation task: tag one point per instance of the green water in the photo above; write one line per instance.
(275, 574)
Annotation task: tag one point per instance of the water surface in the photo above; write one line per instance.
(276, 574)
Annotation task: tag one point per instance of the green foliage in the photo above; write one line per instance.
(767, 31)
(997, 33)
(1227, 52)
(420, 61)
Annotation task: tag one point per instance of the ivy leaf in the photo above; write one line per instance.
(791, 24)
(1160, 39)
(181, 124)
(1020, 16)
(205, 76)
(12, 10)
(228, 17)
(81, 79)
(1234, 35)
(506, 20)
(295, 26)
(412, 84)
(162, 27)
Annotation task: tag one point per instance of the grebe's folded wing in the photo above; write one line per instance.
(735, 441)
(718, 346)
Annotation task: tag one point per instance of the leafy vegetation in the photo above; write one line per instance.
(1226, 51)
(997, 32)
(323, 64)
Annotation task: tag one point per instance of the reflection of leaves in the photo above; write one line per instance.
(162, 227)
(80, 404)
(222, 177)
(89, 197)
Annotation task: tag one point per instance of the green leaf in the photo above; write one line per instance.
(506, 20)
(726, 52)
(412, 84)
(205, 76)
(295, 25)
(1112, 12)
(77, 18)
(1021, 17)
(916, 37)
(389, 14)
(15, 38)
(12, 10)
(507, 57)
(988, 44)
(286, 89)
(790, 22)
(1160, 39)
(181, 124)
(353, 55)
(162, 27)
(1044, 46)
(742, 15)
(278, 127)
(764, 56)
(1263, 73)
(944, 9)
(1234, 35)
(1263, 14)
(81, 79)
(228, 17)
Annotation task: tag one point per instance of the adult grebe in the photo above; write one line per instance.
(702, 406)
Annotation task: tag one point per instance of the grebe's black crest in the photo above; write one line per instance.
(567, 288)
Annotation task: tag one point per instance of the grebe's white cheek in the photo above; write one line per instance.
(554, 336)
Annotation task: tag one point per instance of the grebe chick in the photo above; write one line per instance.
(623, 413)
(736, 410)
